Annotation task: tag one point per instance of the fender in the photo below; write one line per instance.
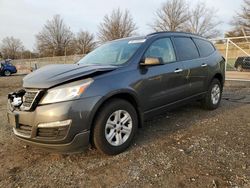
(128, 91)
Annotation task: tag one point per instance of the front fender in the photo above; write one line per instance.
(110, 95)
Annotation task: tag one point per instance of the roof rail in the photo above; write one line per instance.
(181, 32)
(158, 32)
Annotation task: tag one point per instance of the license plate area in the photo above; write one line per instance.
(13, 119)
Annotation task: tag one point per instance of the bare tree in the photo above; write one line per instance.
(171, 16)
(241, 22)
(84, 42)
(55, 37)
(202, 21)
(11, 47)
(27, 54)
(117, 25)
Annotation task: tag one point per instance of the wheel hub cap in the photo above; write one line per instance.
(118, 127)
(215, 94)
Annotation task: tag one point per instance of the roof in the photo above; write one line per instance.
(174, 32)
(159, 33)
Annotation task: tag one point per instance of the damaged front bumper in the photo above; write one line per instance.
(60, 127)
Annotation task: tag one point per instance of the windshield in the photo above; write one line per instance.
(112, 53)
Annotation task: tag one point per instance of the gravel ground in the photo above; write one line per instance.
(188, 147)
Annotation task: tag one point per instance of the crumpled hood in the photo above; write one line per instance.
(51, 75)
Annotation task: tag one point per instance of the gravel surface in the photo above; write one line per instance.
(188, 147)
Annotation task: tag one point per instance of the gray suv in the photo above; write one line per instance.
(103, 98)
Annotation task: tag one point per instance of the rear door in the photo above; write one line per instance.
(162, 84)
(196, 67)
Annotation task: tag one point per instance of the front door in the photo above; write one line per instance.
(162, 84)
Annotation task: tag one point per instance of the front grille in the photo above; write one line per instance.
(52, 133)
(24, 129)
(29, 98)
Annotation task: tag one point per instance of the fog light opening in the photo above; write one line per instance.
(55, 124)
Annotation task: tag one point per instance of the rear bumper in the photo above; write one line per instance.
(14, 71)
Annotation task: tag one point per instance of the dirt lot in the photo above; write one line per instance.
(188, 147)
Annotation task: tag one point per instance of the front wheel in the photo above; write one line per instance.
(239, 68)
(213, 97)
(114, 127)
(7, 73)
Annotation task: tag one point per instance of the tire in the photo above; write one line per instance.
(7, 73)
(212, 101)
(239, 68)
(108, 134)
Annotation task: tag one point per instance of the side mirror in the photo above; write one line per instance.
(151, 61)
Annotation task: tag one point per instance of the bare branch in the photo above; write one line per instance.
(202, 21)
(54, 38)
(84, 42)
(117, 25)
(171, 16)
(241, 21)
(11, 47)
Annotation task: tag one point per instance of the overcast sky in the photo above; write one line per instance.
(24, 18)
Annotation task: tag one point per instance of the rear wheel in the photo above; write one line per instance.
(239, 68)
(213, 97)
(115, 127)
(7, 73)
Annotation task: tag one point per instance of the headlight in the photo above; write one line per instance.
(66, 92)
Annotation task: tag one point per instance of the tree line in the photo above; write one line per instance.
(56, 38)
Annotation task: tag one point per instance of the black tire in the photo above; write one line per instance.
(99, 130)
(207, 102)
(7, 73)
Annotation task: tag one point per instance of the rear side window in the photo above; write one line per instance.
(186, 48)
(205, 47)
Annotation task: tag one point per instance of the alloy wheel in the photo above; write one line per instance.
(118, 127)
(215, 94)
(7, 73)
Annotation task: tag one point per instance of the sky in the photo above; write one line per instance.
(23, 19)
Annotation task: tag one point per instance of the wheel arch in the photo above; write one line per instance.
(127, 95)
(220, 77)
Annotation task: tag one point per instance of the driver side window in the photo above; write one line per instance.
(161, 48)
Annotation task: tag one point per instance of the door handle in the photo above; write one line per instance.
(178, 70)
(203, 65)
